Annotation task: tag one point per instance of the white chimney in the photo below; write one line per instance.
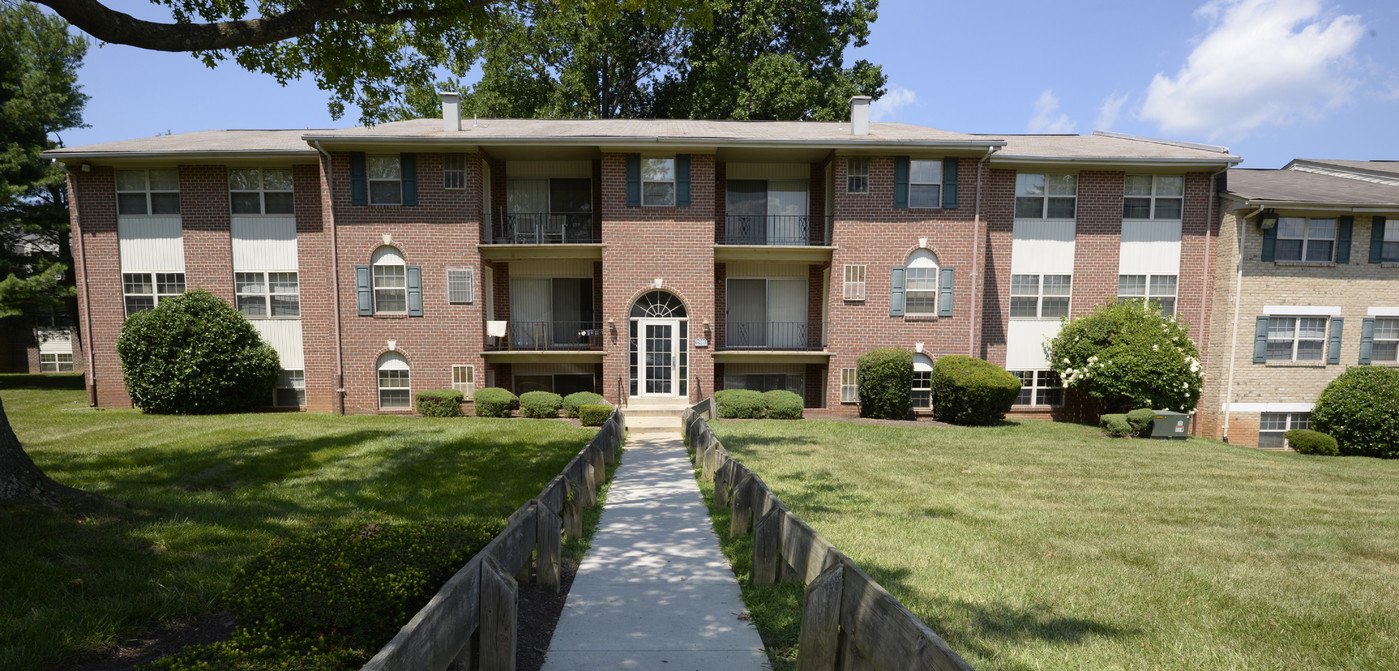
(451, 111)
(860, 115)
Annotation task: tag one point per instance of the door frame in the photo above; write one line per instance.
(642, 349)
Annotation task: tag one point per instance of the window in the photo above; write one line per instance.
(658, 181)
(849, 387)
(55, 363)
(1273, 427)
(390, 281)
(1158, 289)
(394, 392)
(1039, 297)
(144, 290)
(256, 191)
(854, 283)
(922, 389)
(1045, 196)
(1039, 388)
(155, 191)
(1152, 197)
(385, 180)
(262, 295)
(291, 389)
(1303, 239)
(464, 380)
(921, 284)
(461, 285)
(454, 171)
(1389, 245)
(925, 184)
(1385, 346)
(857, 175)
(1296, 338)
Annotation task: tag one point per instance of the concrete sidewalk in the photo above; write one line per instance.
(654, 591)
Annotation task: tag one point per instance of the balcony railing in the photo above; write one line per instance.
(798, 336)
(539, 228)
(543, 335)
(792, 230)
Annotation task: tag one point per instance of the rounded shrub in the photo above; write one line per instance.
(1306, 441)
(1128, 355)
(783, 404)
(540, 404)
(1140, 420)
(740, 404)
(1116, 425)
(971, 391)
(1360, 409)
(494, 402)
(577, 399)
(438, 402)
(885, 381)
(594, 414)
(195, 355)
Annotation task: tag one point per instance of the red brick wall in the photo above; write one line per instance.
(204, 216)
(1097, 240)
(998, 213)
(93, 213)
(313, 251)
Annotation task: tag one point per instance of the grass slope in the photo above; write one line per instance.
(1036, 545)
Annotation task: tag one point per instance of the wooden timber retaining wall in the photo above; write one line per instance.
(849, 622)
(470, 622)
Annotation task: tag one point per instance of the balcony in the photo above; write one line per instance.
(543, 336)
(784, 237)
(506, 235)
(787, 336)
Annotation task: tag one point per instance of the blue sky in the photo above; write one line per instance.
(1270, 79)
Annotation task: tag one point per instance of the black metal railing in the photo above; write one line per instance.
(773, 335)
(539, 228)
(544, 335)
(792, 230)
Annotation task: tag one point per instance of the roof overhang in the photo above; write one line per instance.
(1244, 202)
(190, 157)
(1000, 160)
(465, 141)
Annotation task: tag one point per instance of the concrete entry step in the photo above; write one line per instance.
(664, 424)
(645, 403)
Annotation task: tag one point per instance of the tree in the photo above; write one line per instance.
(1127, 355)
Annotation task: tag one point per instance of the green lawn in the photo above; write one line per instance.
(208, 493)
(1037, 545)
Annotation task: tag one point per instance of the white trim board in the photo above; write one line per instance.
(1267, 407)
(1302, 310)
(1383, 312)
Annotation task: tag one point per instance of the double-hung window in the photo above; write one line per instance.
(1046, 196)
(395, 391)
(658, 182)
(924, 184)
(267, 294)
(390, 282)
(1152, 197)
(291, 389)
(1039, 388)
(849, 386)
(1157, 289)
(464, 380)
(56, 363)
(453, 171)
(857, 175)
(1297, 338)
(854, 286)
(1389, 241)
(1303, 239)
(142, 291)
(1273, 427)
(921, 285)
(254, 191)
(922, 387)
(1039, 296)
(1385, 346)
(385, 180)
(154, 191)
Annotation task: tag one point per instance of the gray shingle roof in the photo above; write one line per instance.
(1106, 147)
(1295, 186)
(211, 142)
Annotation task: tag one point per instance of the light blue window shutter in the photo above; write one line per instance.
(945, 293)
(633, 180)
(949, 183)
(415, 291)
(901, 181)
(1376, 239)
(896, 292)
(1333, 350)
(1260, 341)
(1270, 243)
(682, 180)
(1367, 340)
(408, 164)
(1343, 236)
(359, 180)
(364, 296)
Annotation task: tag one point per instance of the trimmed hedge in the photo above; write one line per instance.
(594, 414)
(540, 404)
(885, 380)
(1116, 425)
(783, 404)
(577, 399)
(970, 391)
(438, 402)
(740, 404)
(1140, 420)
(1306, 441)
(495, 402)
(1360, 409)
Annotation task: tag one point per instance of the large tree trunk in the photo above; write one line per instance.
(22, 482)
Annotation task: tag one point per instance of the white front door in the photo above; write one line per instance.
(658, 349)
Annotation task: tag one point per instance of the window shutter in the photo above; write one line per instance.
(415, 291)
(1376, 239)
(901, 181)
(945, 293)
(1270, 243)
(682, 180)
(1333, 350)
(1367, 340)
(408, 165)
(364, 297)
(1260, 341)
(896, 292)
(1343, 231)
(949, 183)
(359, 180)
(633, 180)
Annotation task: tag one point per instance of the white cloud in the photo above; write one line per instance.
(1263, 62)
(1108, 111)
(888, 106)
(1045, 120)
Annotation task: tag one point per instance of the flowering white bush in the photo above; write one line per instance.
(1127, 355)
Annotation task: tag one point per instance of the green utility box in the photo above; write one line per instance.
(1167, 425)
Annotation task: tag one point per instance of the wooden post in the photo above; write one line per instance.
(599, 467)
(742, 507)
(588, 490)
(572, 510)
(524, 573)
(498, 593)
(609, 444)
(465, 660)
(707, 462)
(818, 648)
(721, 485)
(547, 548)
(766, 539)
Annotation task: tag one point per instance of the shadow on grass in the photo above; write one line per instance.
(63, 381)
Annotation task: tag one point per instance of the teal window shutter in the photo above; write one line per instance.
(682, 180)
(1367, 340)
(633, 180)
(901, 181)
(1260, 341)
(1343, 235)
(896, 292)
(415, 291)
(1270, 243)
(1376, 239)
(949, 183)
(359, 180)
(364, 296)
(945, 293)
(408, 165)
(1333, 349)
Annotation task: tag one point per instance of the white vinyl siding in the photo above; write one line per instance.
(1149, 248)
(284, 335)
(150, 244)
(263, 243)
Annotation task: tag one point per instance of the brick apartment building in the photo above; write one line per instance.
(637, 257)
